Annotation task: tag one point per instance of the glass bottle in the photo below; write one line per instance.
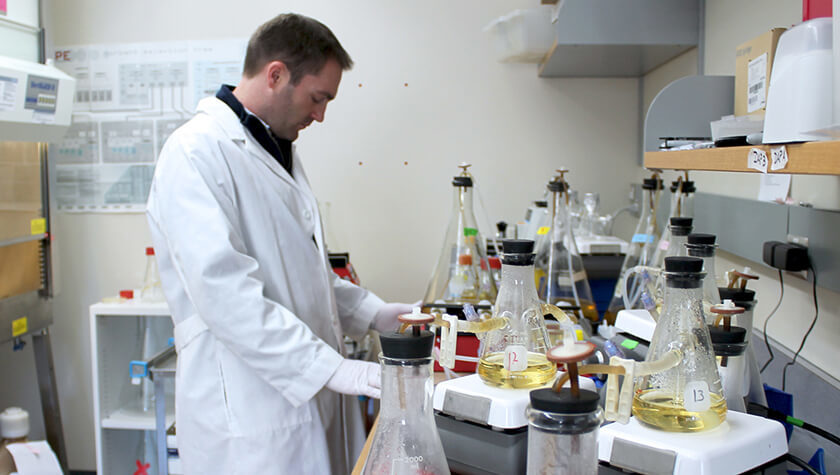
(642, 246)
(406, 439)
(151, 291)
(462, 274)
(563, 432)
(562, 278)
(689, 396)
(514, 355)
(703, 246)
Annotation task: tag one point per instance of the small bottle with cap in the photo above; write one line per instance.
(14, 428)
(152, 290)
(563, 422)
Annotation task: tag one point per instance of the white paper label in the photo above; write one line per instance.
(697, 397)
(778, 158)
(516, 358)
(757, 160)
(757, 83)
(774, 187)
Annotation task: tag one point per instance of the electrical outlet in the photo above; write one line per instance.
(794, 239)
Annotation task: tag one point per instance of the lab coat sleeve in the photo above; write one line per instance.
(356, 306)
(193, 212)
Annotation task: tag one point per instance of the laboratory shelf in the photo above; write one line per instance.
(133, 417)
(131, 308)
(810, 158)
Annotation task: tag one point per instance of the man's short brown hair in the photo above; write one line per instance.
(303, 44)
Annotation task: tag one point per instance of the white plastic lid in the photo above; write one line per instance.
(14, 423)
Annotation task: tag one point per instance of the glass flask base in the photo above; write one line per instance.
(539, 372)
(658, 409)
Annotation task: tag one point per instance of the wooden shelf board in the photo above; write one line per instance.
(812, 158)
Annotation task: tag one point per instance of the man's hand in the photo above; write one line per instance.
(356, 378)
(386, 318)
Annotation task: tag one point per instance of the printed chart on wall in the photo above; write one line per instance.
(129, 99)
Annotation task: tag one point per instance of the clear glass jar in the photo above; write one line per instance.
(406, 440)
(563, 432)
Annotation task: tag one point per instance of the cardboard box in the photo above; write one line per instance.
(753, 63)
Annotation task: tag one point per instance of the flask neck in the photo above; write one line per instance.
(519, 277)
(406, 387)
(463, 201)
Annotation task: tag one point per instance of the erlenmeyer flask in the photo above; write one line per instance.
(679, 229)
(689, 396)
(462, 274)
(406, 441)
(642, 246)
(703, 246)
(514, 355)
(564, 283)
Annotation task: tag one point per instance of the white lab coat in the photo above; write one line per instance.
(258, 313)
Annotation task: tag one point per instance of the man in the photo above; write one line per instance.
(259, 315)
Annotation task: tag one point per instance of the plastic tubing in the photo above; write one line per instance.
(644, 272)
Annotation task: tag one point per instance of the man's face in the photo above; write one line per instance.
(296, 106)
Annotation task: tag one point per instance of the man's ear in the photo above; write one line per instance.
(277, 74)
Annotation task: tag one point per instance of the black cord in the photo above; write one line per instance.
(821, 432)
(773, 312)
(804, 338)
(801, 463)
(763, 411)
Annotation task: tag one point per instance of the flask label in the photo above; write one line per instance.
(697, 397)
(470, 232)
(543, 230)
(516, 358)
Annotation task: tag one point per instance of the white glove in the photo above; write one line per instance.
(386, 318)
(356, 378)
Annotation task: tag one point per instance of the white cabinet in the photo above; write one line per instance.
(121, 333)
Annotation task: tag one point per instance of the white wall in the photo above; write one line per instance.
(728, 24)
(459, 105)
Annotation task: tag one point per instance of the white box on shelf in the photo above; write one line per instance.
(523, 36)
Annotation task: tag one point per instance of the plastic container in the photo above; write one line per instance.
(523, 36)
(563, 432)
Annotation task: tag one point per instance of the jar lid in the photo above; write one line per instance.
(683, 264)
(462, 181)
(14, 423)
(700, 238)
(407, 346)
(564, 402)
(517, 246)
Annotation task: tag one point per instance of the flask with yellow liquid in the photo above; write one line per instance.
(689, 396)
(514, 355)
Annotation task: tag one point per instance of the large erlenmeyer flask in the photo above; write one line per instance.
(462, 274)
(641, 249)
(562, 279)
(689, 396)
(514, 356)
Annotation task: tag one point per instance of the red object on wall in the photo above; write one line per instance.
(815, 9)
(467, 345)
(3, 7)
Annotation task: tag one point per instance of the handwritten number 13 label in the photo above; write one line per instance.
(697, 397)
(516, 358)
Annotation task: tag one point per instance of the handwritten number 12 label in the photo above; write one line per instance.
(697, 397)
(516, 358)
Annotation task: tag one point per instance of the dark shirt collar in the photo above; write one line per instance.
(279, 148)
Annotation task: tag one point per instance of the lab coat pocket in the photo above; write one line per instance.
(254, 406)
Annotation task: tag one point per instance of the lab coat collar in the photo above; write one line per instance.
(236, 131)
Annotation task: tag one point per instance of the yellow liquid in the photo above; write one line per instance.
(658, 409)
(587, 308)
(539, 372)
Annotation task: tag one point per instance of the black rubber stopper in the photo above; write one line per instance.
(689, 187)
(700, 238)
(564, 402)
(682, 222)
(683, 264)
(462, 181)
(557, 186)
(517, 246)
(541, 204)
(407, 346)
(652, 184)
(728, 343)
(742, 298)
